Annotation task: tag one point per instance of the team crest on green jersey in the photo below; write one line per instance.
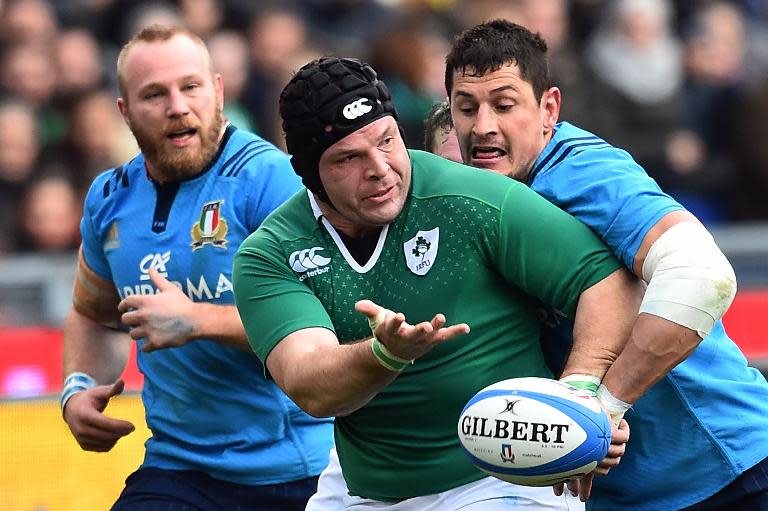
(421, 250)
(211, 228)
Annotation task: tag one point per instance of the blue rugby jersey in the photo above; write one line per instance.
(208, 405)
(707, 421)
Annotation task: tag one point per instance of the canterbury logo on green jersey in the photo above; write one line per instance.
(308, 261)
(421, 251)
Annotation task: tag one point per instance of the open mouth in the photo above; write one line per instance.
(487, 153)
(182, 134)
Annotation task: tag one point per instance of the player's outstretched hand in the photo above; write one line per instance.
(84, 415)
(165, 319)
(404, 340)
(582, 487)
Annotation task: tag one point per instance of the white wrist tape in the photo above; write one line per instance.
(74, 383)
(615, 407)
(377, 320)
(383, 356)
(690, 282)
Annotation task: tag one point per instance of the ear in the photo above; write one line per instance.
(218, 85)
(550, 109)
(123, 107)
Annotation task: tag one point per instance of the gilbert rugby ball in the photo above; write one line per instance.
(534, 431)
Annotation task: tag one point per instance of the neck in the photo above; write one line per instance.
(343, 224)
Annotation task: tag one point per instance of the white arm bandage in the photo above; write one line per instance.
(690, 282)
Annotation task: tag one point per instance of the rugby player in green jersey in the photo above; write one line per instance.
(382, 229)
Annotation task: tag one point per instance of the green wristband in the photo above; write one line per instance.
(583, 381)
(387, 358)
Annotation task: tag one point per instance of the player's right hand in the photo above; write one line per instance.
(84, 415)
(404, 340)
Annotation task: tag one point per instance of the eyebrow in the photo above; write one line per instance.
(342, 153)
(497, 90)
(183, 79)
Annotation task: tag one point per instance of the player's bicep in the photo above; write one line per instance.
(294, 352)
(93, 296)
(655, 232)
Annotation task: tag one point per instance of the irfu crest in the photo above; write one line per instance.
(421, 251)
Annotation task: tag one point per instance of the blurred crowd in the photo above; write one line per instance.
(682, 85)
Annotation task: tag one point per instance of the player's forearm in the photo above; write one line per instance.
(604, 318)
(94, 349)
(220, 323)
(656, 345)
(329, 379)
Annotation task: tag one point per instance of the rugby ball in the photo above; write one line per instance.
(534, 431)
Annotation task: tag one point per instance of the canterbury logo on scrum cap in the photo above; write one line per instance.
(356, 109)
(307, 259)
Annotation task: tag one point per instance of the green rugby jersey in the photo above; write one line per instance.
(471, 244)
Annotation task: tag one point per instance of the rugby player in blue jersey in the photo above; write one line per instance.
(159, 234)
(699, 414)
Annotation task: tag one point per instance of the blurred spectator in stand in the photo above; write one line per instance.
(203, 17)
(276, 35)
(410, 58)
(19, 149)
(97, 139)
(747, 197)
(550, 19)
(79, 68)
(50, 216)
(469, 13)
(27, 71)
(748, 130)
(136, 15)
(229, 52)
(348, 26)
(715, 50)
(637, 60)
(28, 21)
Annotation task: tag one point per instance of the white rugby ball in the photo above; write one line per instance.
(534, 431)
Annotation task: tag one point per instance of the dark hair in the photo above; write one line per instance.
(488, 47)
(438, 119)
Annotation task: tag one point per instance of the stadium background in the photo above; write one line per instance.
(681, 84)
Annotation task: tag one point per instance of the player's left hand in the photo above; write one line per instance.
(165, 319)
(582, 487)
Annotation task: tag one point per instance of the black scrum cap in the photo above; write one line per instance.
(325, 101)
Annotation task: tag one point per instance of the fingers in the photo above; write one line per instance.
(93, 430)
(100, 433)
(159, 280)
(116, 388)
(138, 332)
(559, 488)
(585, 486)
(131, 318)
(449, 332)
(617, 448)
(368, 308)
(129, 303)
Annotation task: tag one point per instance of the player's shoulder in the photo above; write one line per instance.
(437, 177)
(245, 154)
(293, 219)
(112, 183)
(582, 154)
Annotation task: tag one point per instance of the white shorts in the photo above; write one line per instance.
(488, 494)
